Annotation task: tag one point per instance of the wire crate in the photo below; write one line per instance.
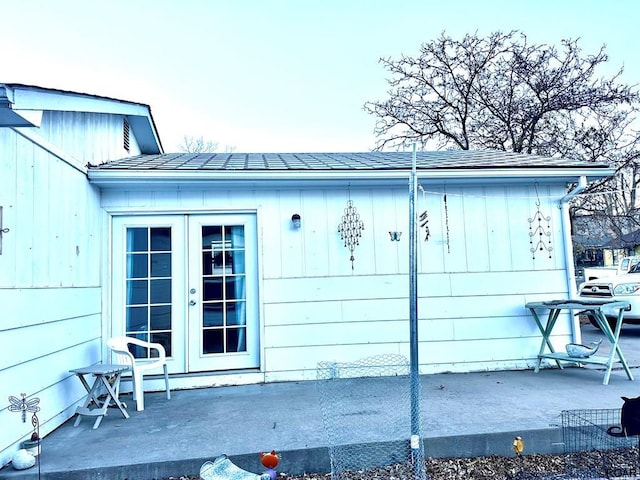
(609, 456)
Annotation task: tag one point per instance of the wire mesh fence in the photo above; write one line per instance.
(351, 395)
(592, 452)
(354, 395)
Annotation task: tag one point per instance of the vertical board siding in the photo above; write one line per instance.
(272, 226)
(476, 272)
(55, 234)
(90, 137)
(50, 267)
(474, 219)
(314, 241)
(292, 246)
(498, 230)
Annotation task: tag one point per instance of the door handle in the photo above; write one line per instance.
(192, 302)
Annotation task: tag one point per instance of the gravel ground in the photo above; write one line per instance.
(621, 463)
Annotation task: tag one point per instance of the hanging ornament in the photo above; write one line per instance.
(424, 223)
(351, 229)
(446, 220)
(539, 237)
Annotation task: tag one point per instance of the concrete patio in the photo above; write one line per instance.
(463, 415)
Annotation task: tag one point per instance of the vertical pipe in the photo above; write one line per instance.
(416, 441)
(563, 205)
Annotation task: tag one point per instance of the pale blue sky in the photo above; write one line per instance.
(271, 75)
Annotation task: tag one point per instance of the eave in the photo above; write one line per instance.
(32, 100)
(113, 178)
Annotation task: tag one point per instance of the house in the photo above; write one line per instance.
(53, 238)
(253, 268)
(603, 240)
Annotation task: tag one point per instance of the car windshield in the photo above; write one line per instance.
(635, 268)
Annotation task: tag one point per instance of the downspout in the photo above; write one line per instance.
(563, 204)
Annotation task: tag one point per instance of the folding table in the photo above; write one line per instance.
(107, 376)
(594, 309)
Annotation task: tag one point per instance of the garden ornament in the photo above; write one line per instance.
(270, 462)
(224, 469)
(23, 460)
(518, 445)
(576, 350)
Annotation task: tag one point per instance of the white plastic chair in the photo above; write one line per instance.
(120, 347)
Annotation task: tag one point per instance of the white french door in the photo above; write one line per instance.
(223, 286)
(190, 283)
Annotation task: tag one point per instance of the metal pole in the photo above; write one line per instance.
(416, 441)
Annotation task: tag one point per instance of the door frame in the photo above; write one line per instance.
(119, 220)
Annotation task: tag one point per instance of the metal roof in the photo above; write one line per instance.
(324, 169)
(450, 159)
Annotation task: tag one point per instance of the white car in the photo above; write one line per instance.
(619, 287)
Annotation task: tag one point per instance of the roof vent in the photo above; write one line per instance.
(125, 134)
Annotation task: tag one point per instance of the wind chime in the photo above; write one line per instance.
(541, 234)
(423, 219)
(351, 228)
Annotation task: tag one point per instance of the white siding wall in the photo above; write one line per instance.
(90, 137)
(50, 295)
(472, 288)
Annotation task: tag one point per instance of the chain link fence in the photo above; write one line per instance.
(351, 395)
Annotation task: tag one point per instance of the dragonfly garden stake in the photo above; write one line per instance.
(24, 405)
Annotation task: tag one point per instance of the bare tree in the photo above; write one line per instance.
(191, 144)
(500, 92)
(495, 92)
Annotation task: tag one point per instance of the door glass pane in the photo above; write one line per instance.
(161, 239)
(213, 315)
(234, 288)
(212, 289)
(160, 264)
(235, 339)
(236, 261)
(236, 313)
(137, 292)
(211, 235)
(137, 318)
(164, 339)
(212, 341)
(148, 286)
(236, 236)
(136, 265)
(160, 317)
(137, 239)
(223, 289)
(160, 291)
